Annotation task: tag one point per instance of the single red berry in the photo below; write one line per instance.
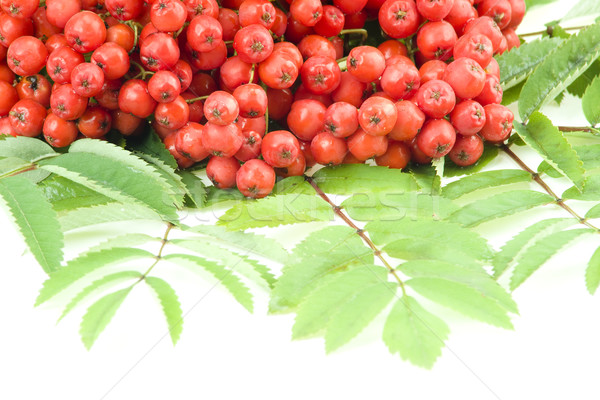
(320, 74)
(467, 150)
(19, 8)
(434, 10)
(341, 119)
(95, 122)
(492, 91)
(400, 81)
(112, 59)
(399, 18)
(486, 26)
(59, 132)
(297, 168)
(365, 63)
(168, 15)
(307, 12)
(173, 115)
(397, 156)
(280, 148)
(188, 141)
(498, 123)
(409, 122)
(59, 12)
(222, 171)
(222, 141)
(278, 71)
(182, 161)
(377, 116)
(468, 117)
(436, 98)
(332, 22)
(204, 33)
(12, 28)
(250, 147)
(475, 46)
(27, 117)
(221, 108)
(61, 63)
(26, 56)
(257, 12)
(255, 179)
(364, 146)
(135, 99)
(123, 10)
(66, 103)
(164, 86)
(436, 40)
(35, 87)
(499, 10)
(436, 138)
(312, 45)
(87, 79)
(391, 48)
(253, 43)
(159, 51)
(252, 100)
(328, 149)
(466, 77)
(85, 31)
(306, 118)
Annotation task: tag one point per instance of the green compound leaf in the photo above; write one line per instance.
(152, 145)
(518, 244)
(170, 304)
(111, 212)
(499, 205)
(99, 315)
(518, 63)
(396, 206)
(25, 148)
(79, 267)
(476, 279)
(36, 219)
(276, 210)
(67, 195)
(592, 273)
(484, 180)
(114, 179)
(540, 252)
(583, 8)
(343, 305)
(111, 279)
(590, 102)
(362, 178)
(224, 275)
(543, 137)
(565, 64)
(414, 333)
(463, 299)
(327, 251)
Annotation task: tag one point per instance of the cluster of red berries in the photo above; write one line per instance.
(208, 79)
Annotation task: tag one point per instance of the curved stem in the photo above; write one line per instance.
(362, 32)
(252, 71)
(360, 232)
(267, 121)
(190, 101)
(550, 29)
(135, 38)
(538, 179)
(163, 243)
(142, 74)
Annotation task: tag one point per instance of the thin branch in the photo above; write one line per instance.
(163, 243)
(550, 30)
(538, 179)
(360, 232)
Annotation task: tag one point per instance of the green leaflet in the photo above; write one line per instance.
(293, 184)
(592, 273)
(591, 192)
(114, 179)
(196, 190)
(543, 137)
(489, 153)
(533, 3)
(10, 165)
(216, 196)
(499, 205)
(170, 304)
(245, 241)
(66, 195)
(424, 249)
(414, 333)
(276, 210)
(580, 85)
(79, 267)
(99, 315)
(240, 262)
(426, 178)
(108, 279)
(436, 234)
(484, 180)
(111, 212)
(343, 305)
(583, 8)
(593, 212)
(518, 63)
(361, 178)
(25, 148)
(590, 102)
(540, 252)
(512, 95)
(125, 240)
(553, 75)
(397, 206)
(323, 252)
(463, 299)
(152, 145)
(518, 244)
(476, 279)
(36, 219)
(588, 154)
(225, 276)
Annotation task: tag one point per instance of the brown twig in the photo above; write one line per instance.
(360, 232)
(550, 30)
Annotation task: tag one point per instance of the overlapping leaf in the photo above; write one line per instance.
(362, 178)
(484, 180)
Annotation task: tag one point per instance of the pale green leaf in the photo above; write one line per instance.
(540, 252)
(390, 206)
(170, 305)
(518, 63)
(499, 205)
(484, 180)
(224, 275)
(273, 211)
(124, 240)
(324, 252)
(533, 3)
(593, 212)
(583, 8)
(515, 246)
(426, 178)
(565, 64)
(592, 273)
(414, 333)
(463, 299)
(10, 165)
(293, 184)
(591, 192)
(361, 178)
(99, 315)
(25, 148)
(590, 102)
(543, 137)
(222, 197)
(36, 219)
(111, 279)
(79, 267)
(588, 154)
(111, 212)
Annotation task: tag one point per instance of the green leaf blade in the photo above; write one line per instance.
(592, 273)
(590, 102)
(361, 178)
(170, 304)
(99, 315)
(484, 180)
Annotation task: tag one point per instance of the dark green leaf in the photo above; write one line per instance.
(276, 210)
(592, 273)
(36, 220)
(216, 196)
(195, 188)
(540, 252)
(99, 315)
(426, 178)
(66, 195)
(484, 180)
(414, 333)
(565, 64)
(590, 102)
(361, 178)
(511, 95)
(152, 145)
(170, 305)
(499, 205)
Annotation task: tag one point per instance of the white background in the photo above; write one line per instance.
(224, 351)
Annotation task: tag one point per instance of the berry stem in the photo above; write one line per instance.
(362, 32)
(142, 74)
(163, 243)
(195, 99)
(338, 211)
(538, 179)
(267, 120)
(550, 30)
(252, 71)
